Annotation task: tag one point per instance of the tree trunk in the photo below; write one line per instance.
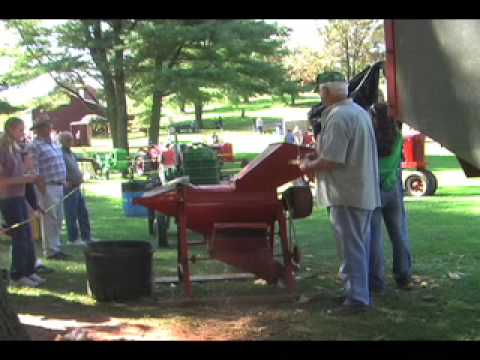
(121, 99)
(246, 100)
(347, 57)
(93, 34)
(10, 326)
(198, 114)
(182, 106)
(111, 108)
(292, 100)
(154, 126)
(122, 116)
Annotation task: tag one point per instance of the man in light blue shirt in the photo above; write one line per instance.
(348, 185)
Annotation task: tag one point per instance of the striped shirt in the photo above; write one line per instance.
(48, 160)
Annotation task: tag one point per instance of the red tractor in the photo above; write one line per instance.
(417, 180)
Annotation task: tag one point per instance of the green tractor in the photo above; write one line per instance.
(114, 161)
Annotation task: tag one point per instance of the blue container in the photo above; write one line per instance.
(129, 208)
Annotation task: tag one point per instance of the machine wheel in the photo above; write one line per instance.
(416, 184)
(296, 255)
(179, 263)
(432, 183)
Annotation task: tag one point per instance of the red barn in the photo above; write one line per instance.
(75, 111)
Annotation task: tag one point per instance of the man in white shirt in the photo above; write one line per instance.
(347, 184)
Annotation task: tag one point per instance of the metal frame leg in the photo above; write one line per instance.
(271, 238)
(287, 256)
(183, 260)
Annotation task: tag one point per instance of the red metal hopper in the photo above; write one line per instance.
(237, 218)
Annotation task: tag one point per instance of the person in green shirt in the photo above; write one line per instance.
(389, 146)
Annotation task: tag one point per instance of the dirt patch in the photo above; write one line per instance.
(236, 326)
(120, 332)
(208, 330)
(38, 333)
(219, 330)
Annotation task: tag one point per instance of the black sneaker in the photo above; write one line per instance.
(405, 284)
(42, 269)
(58, 256)
(378, 291)
(5, 276)
(345, 310)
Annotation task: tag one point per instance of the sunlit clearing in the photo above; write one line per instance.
(113, 329)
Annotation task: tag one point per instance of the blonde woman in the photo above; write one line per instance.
(13, 204)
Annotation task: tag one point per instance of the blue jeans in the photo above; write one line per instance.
(394, 215)
(76, 216)
(352, 229)
(14, 210)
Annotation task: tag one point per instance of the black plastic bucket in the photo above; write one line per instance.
(119, 270)
(299, 201)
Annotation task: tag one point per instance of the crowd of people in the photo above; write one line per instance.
(299, 137)
(39, 179)
(358, 172)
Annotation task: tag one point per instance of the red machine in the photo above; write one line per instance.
(169, 157)
(308, 139)
(224, 151)
(420, 181)
(237, 219)
(414, 152)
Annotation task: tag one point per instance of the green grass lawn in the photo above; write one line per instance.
(237, 129)
(444, 306)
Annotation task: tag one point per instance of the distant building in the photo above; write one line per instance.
(75, 111)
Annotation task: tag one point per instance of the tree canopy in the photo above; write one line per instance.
(192, 61)
(151, 59)
(351, 45)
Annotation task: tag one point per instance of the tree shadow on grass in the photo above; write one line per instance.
(50, 306)
(253, 105)
(306, 104)
(235, 123)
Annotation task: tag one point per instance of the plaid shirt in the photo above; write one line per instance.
(48, 159)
